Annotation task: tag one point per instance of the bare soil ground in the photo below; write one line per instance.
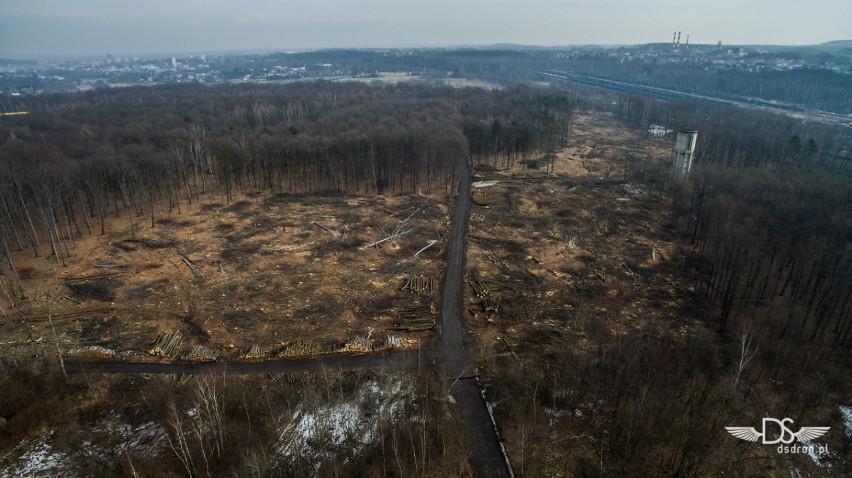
(587, 251)
(270, 275)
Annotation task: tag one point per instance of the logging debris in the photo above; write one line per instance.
(200, 353)
(93, 351)
(335, 234)
(192, 266)
(415, 319)
(99, 287)
(166, 344)
(480, 288)
(301, 347)
(255, 352)
(150, 243)
(403, 229)
(425, 247)
(419, 284)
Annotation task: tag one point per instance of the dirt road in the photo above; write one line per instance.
(487, 458)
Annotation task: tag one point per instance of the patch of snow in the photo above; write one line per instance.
(554, 414)
(658, 130)
(634, 190)
(147, 437)
(484, 184)
(846, 411)
(819, 454)
(347, 427)
(39, 460)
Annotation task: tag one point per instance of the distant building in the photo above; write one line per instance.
(683, 150)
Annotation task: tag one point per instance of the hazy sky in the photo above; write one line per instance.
(40, 28)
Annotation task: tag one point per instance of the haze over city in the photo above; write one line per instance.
(54, 28)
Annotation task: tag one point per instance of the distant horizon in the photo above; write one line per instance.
(156, 55)
(55, 29)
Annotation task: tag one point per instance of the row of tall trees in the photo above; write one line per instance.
(768, 213)
(741, 137)
(817, 88)
(773, 247)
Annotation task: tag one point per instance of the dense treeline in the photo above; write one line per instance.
(768, 213)
(741, 137)
(504, 67)
(774, 247)
(815, 88)
(77, 161)
(646, 405)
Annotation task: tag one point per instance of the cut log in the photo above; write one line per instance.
(192, 266)
(336, 234)
(427, 247)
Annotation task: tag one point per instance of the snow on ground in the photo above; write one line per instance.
(823, 460)
(819, 454)
(657, 130)
(632, 191)
(484, 184)
(846, 411)
(38, 458)
(347, 427)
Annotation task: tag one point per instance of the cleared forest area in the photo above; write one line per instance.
(618, 325)
(252, 221)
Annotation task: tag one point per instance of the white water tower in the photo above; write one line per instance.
(683, 151)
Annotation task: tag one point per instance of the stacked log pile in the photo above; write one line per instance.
(302, 347)
(480, 288)
(419, 284)
(415, 319)
(392, 342)
(255, 352)
(93, 351)
(166, 344)
(489, 303)
(359, 344)
(200, 353)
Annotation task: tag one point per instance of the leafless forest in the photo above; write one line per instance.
(617, 324)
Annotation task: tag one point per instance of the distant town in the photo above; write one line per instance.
(19, 78)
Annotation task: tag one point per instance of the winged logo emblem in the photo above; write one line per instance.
(786, 435)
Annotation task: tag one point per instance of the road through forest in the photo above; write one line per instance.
(487, 457)
(449, 353)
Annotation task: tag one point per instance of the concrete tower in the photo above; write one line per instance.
(683, 151)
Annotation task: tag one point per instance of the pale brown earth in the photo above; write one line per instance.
(587, 251)
(566, 256)
(270, 276)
